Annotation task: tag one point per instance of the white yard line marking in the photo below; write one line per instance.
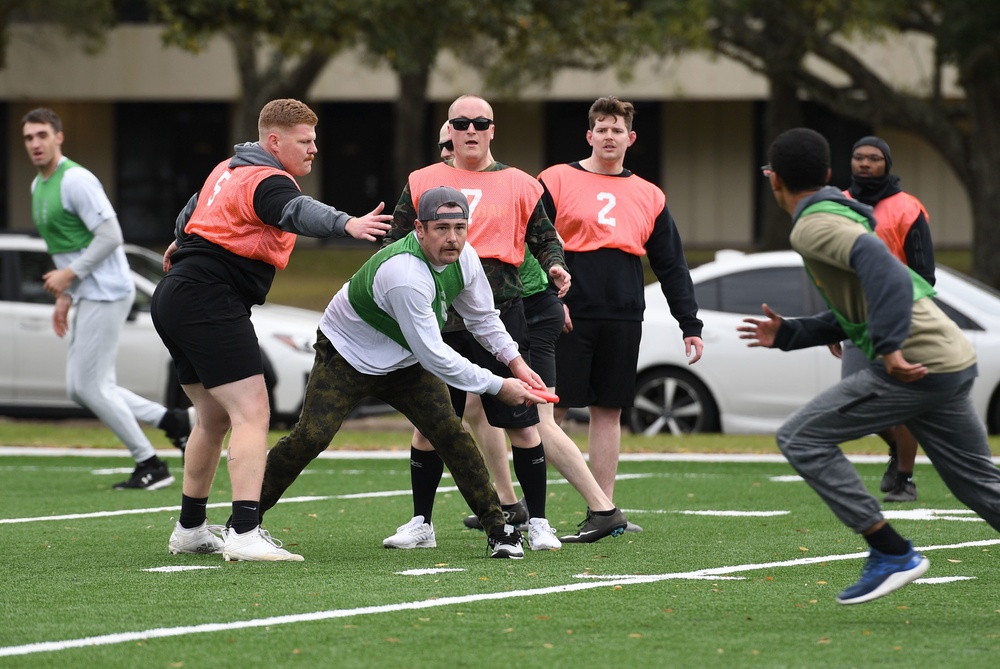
(166, 632)
(944, 579)
(734, 514)
(427, 572)
(179, 568)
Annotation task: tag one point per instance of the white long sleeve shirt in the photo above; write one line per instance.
(404, 289)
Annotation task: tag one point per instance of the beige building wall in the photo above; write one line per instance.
(709, 172)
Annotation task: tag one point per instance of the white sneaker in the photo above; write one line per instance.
(415, 534)
(255, 545)
(541, 537)
(205, 538)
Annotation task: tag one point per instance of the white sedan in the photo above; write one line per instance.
(736, 389)
(33, 358)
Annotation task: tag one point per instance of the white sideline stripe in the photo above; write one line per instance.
(405, 455)
(166, 632)
(215, 505)
(945, 579)
(736, 514)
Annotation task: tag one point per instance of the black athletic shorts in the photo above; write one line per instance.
(497, 413)
(595, 363)
(544, 315)
(207, 330)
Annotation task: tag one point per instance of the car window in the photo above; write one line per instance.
(147, 266)
(787, 290)
(33, 267)
(960, 318)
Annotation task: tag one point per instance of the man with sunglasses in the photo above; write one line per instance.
(902, 223)
(609, 218)
(445, 145)
(505, 219)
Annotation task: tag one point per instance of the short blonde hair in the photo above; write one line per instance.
(284, 113)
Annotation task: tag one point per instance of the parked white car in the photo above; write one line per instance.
(33, 358)
(736, 389)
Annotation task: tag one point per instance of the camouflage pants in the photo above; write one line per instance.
(335, 388)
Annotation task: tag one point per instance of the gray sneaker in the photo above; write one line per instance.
(516, 515)
(890, 475)
(904, 491)
(596, 527)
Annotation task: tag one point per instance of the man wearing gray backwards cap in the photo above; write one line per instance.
(902, 223)
(381, 337)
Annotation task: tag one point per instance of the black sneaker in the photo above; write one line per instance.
(147, 477)
(891, 471)
(176, 424)
(904, 491)
(505, 542)
(516, 515)
(596, 527)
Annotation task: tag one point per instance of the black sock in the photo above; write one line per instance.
(904, 477)
(246, 515)
(605, 513)
(529, 467)
(194, 511)
(150, 462)
(887, 540)
(426, 468)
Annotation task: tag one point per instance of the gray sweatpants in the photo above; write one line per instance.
(944, 421)
(90, 374)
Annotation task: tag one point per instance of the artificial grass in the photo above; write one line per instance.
(757, 606)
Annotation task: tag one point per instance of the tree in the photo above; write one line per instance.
(280, 46)
(965, 132)
(510, 43)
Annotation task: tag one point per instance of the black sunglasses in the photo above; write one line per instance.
(479, 124)
(450, 145)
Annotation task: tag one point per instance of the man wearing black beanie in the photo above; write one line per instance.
(901, 222)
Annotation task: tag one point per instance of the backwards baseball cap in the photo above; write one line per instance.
(879, 144)
(438, 197)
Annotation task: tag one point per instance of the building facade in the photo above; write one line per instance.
(151, 121)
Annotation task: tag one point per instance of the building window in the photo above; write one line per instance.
(164, 151)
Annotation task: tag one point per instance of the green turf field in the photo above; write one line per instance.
(738, 567)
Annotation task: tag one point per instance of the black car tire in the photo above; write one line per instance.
(674, 401)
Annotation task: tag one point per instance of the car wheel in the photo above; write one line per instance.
(674, 401)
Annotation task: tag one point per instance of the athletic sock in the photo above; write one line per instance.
(426, 469)
(887, 540)
(194, 511)
(246, 515)
(605, 513)
(150, 462)
(529, 467)
(904, 477)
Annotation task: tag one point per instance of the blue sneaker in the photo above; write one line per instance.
(883, 574)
